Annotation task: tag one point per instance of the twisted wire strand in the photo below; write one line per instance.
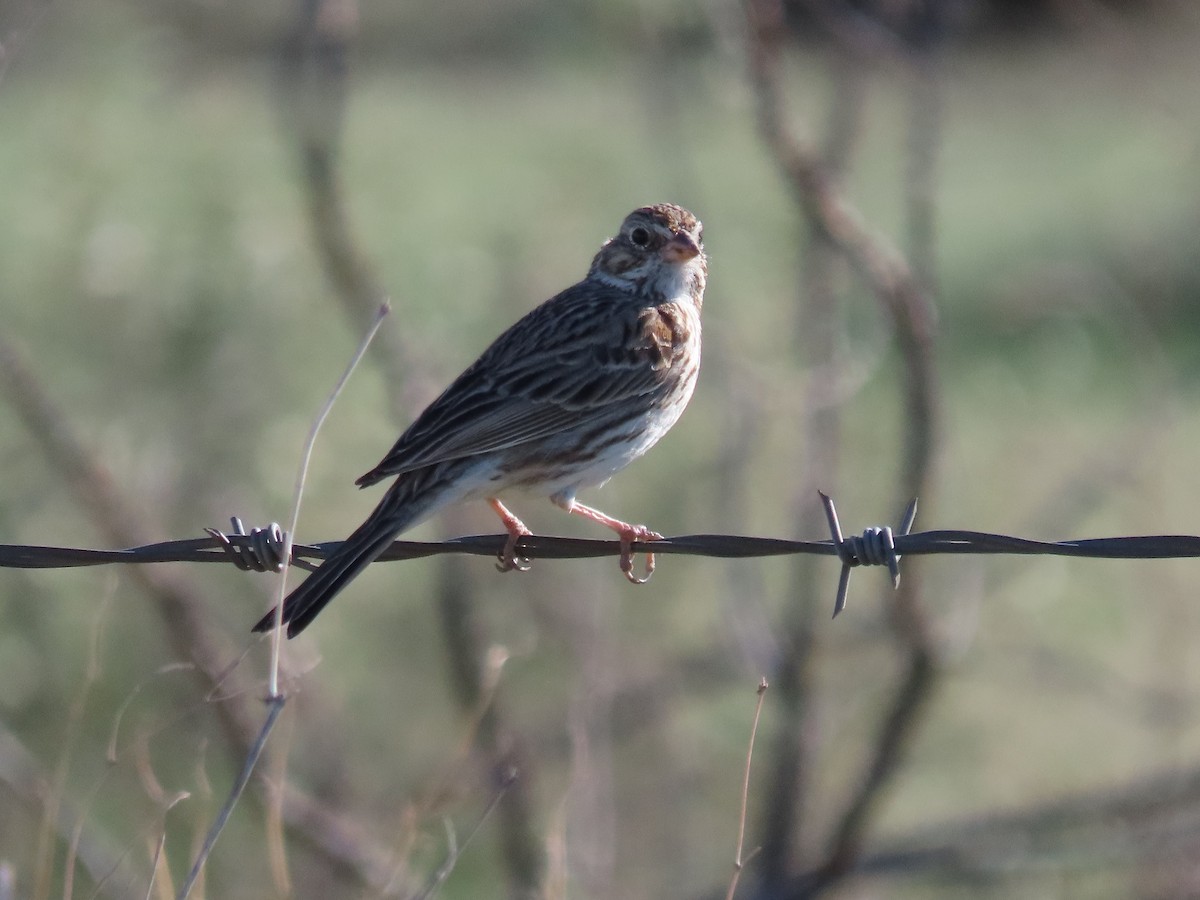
(260, 549)
(718, 546)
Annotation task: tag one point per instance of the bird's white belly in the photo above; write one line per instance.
(608, 461)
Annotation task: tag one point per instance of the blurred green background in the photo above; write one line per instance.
(159, 277)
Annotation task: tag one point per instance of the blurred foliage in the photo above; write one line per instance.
(156, 266)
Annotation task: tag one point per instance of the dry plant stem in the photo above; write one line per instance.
(201, 813)
(160, 873)
(274, 708)
(276, 798)
(276, 837)
(301, 478)
(738, 862)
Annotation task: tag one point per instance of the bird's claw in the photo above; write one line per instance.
(637, 533)
(507, 559)
(512, 564)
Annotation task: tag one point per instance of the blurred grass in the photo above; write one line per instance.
(156, 265)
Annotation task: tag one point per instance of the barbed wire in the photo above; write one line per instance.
(260, 549)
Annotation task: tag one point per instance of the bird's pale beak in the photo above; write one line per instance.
(680, 248)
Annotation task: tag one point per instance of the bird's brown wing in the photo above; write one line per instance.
(569, 361)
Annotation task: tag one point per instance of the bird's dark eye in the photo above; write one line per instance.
(640, 237)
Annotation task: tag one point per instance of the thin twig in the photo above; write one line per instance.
(157, 860)
(738, 862)
(274, 707)
(301, 478)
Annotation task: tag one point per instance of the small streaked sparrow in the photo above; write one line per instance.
(571, 394)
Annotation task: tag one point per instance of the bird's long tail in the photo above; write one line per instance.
(398, 510)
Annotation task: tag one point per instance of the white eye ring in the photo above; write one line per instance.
(640, 237)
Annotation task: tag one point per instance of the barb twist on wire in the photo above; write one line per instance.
(875, 547)
(262, 552)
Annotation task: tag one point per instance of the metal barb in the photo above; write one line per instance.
(876, 546)
(909, 517)
(262, 551)
(843, 552)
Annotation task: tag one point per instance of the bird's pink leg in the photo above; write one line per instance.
(516, 529)
(627, 533)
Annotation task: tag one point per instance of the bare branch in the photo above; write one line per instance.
(828, 213)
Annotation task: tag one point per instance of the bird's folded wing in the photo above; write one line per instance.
(496, 414)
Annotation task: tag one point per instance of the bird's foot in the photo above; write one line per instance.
(507, 560)
(626, 532)
(629, 534)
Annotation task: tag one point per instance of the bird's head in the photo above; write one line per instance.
(659, 252)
